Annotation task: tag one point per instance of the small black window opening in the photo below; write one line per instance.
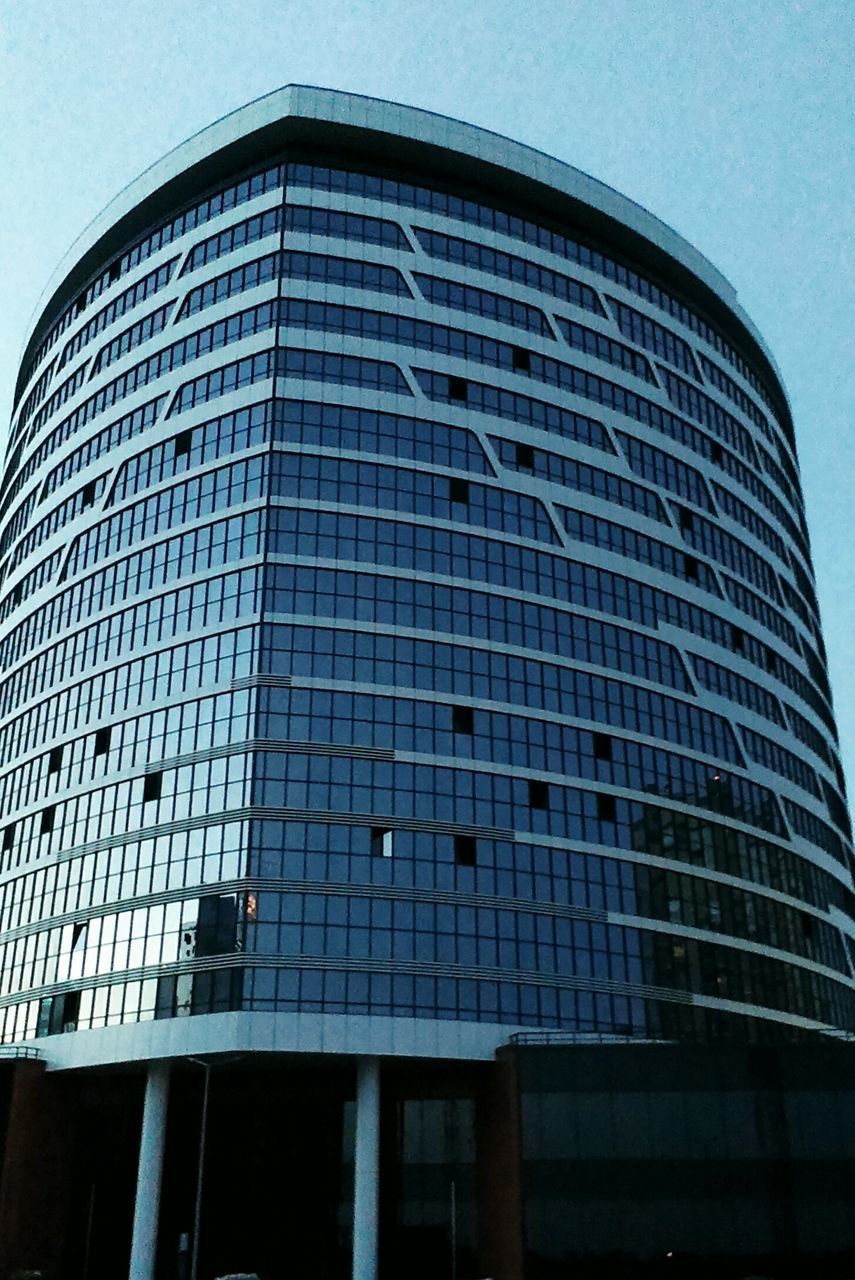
(737, 639)
(48, 816)
(606, 808)
(115, 270)
(690, 566)
(465, 851)
(88, 496)
(770, 658)
(524, 457)
(602, 746)
(716, 452)
(55, 760)
(687, 520)
(70, 1010)
(521, 360)
(807, 922)
(183, 442)
(17, 592)
(80, 304)
(457, 389)
(462, 720)
(8, 836)
(381, 842)
(458, 490)
(102, 741)
(538, 794)
(152, 786)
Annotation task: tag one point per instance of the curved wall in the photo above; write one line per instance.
(407, 613)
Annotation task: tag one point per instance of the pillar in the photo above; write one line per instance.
(366, 1177)
(38, 1123)
(498, 1175)
(149, 1172)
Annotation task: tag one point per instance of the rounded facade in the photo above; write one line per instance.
(407, 613)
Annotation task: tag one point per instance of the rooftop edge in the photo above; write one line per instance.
(303, 106)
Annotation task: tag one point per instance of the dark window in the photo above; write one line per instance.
(690, 565)
(465, 850)
(716, 452)
(64, 1012)
(80, 304)
(164, 997)
(8, 836)
(462, 720)
(152, 786)
(538, 794)
(88, 495)
(606, 808)
(457, 389)
(17, 593)
(737, 639)
(602, 746)
(102, 741)
(115, 270)
(48, 816)
(687, 520)
(771, 659)
(183, 441)
(524, 456)
(216, 926)
(54, 760)
(458, 490)
(807, 923)
(522, 360)
(381, 842)
(71, 1010)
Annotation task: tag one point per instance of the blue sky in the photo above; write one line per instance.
(732, 120)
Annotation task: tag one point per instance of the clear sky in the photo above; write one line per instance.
(732, 120)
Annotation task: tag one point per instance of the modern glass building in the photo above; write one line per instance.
(409, 637)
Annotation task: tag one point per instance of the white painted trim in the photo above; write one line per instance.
(249, 1033)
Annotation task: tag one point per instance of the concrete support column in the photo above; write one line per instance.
(149, 1171)
(498, 1170)
(366, 1177)
(38, 1125)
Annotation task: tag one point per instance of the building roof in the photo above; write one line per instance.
(401, 137)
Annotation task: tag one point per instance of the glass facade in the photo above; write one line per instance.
(406, 609)
(686, 1161)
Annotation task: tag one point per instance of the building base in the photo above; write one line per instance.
(554, 1161)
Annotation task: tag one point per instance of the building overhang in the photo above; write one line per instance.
(248, 1033)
